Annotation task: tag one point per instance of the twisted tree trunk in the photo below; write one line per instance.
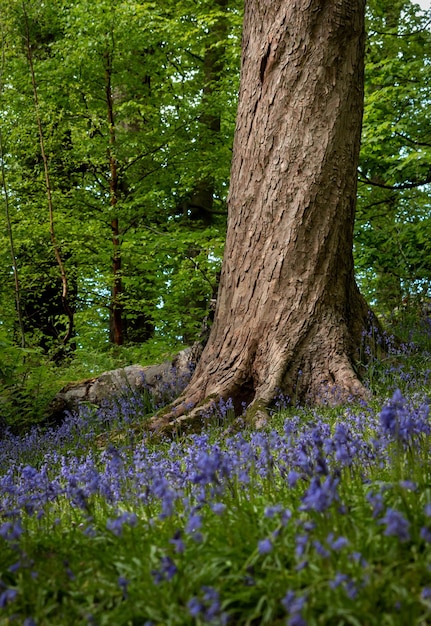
(289, 316)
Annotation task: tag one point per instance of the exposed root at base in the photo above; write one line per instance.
(338, 386)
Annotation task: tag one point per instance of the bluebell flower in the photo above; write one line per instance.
(396, 525)
(272, 511)
(264, 546)
(177, 542)
(167, 570)
(11, 531)
(358, 558)
(218, 508)
(293, 478)
(293, 603)
(123, 583)
(116, 525)
(389, 414)
(7, 596)
(426, 594)
(195, 607)
(409, 485)
(336, 543)
(319, 496)
(212, 602)
(194, 523)
(286, 516)
(301, 544)
(338, 580)
(294, 606)
(376, 501)
(207, 607)
(320, 549)
(301, 565)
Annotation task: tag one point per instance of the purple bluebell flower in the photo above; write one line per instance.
(292, 478)
(376, 501)
(116, 525)
(301, 565)
(409, 485)
(336, 543)
(286, 516)
(123, 583)
(396, 525)
(346, 582)
(194, 523)
(320, 495)
(195, 607)
(358, 558)
(264, 546)
(294, 605)
(11, 531)
(177, 542)
(7, 596)
(301, 544)
(167, 570)
(426, 594)
(272, 511)
(218, 508)
(320, 549)
(339, 579)
(207, 606)
(68, 571)
(212, 602)
(389, 415)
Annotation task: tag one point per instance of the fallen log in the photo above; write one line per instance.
(163, 382)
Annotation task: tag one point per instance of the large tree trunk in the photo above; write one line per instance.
(289, 316)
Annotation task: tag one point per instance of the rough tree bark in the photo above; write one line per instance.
(289, 315)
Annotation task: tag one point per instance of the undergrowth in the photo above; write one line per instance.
(323, 517)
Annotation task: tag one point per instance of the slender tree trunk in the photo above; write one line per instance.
(388, 274)
(12, 247)
(7, 213)
(289, 316)
(117, 330)
(200, 204)
(65, 287)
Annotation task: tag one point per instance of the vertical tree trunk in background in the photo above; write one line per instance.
(200, 203)
(6, 206)
(289, 316)
(116, 308)
(389, 292)
(17, 290)
(68, 310)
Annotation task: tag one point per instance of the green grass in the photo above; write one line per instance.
(322, 519)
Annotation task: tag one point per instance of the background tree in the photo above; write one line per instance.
(47, 302)
(125, 90)
(289, 316)
(392, 243)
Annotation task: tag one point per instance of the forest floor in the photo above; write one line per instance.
(322, 517)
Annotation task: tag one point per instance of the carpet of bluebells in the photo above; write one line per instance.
(322, 518)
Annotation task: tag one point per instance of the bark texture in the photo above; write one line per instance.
(289, 316)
